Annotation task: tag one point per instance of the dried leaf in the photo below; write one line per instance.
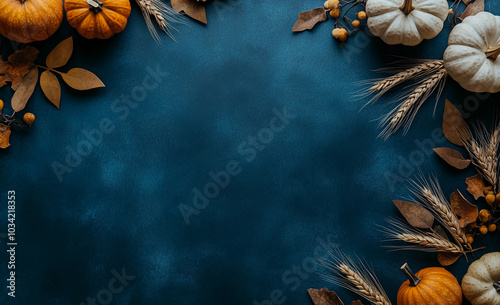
(81, 79)
(324, 297)
(358, 302)
(193, 9)
(61, 54)
(466, 211)
(475, 186)
(452, 157)
(51, 87)
(467, 2)
(416, 215)
(4, 136)
(17, 66)
(447, 259)
(473, 9)
(438, 229)
(454, 127)
(25, 90)
(308, 19)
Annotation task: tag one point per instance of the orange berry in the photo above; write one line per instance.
(361, 15)
(340, 34)
(470, 239)
(484, 215)
(497, 198)
(335, 13)
(356, 23)
(29, 118)
(492, 227)
(483, 229)
(487, 190)
(490, 198)
(1, 105)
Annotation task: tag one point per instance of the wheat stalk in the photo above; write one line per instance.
(392, 81)
(357, 278)
(406, 111)
(430, 194)
(163, 15)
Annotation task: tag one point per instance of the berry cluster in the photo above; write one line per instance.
(341, 31)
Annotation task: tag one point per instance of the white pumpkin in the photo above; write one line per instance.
(481, 284)
(406, 22)
(471, 56)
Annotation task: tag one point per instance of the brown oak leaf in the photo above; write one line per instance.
(324, 297)
(17, 66)
(475, 186)
(4, 136)
(466, 211)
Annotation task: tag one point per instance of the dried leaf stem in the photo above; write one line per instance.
(356, 277)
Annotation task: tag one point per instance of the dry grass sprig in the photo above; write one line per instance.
(404, 114)
(356, 277)
(483, 149)
(420, 240)
(163, 15)
(429, 193)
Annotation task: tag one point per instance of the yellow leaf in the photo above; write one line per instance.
(51, 87)
(4, 136)
(25, 90)
(61, 54)
(81, 79)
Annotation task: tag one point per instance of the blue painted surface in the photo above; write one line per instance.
(322, 177)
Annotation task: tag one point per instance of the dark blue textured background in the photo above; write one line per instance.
(321, 178)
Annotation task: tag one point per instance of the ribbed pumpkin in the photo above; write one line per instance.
(429, 286)
(30, 20)
(97, 19)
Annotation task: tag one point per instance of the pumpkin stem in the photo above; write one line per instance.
(414, 280)
(407, 7)
(95, 6)
(493, 52)
(497, 286)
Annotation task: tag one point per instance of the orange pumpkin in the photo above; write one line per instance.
(30, 20)
(429, 286)
(97, 19)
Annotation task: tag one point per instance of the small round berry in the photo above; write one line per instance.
(487, 190)
(326, 4)
(484, 215)
(497, 197)
(492, 227)
(361, 15)
(1, 105)
(340, 34)
(356, 23)
(470, 239)
(490, 198)
(483, 229)
(335, 13)
(29, 118)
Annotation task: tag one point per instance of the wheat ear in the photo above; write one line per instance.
(429, 193)
(420, 240)
(406, 111)
(357, 278)
(163, 15)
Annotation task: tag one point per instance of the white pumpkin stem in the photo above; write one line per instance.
(407, 7)
(493, 52)
(414, 280)
(497, 286)
(95, 6)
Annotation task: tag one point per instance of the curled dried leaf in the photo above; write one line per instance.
(454, 127)
(466, 211)
(193, 9)
(452, 157)
(51, 87)
(416, 215)
(25, 90)
(61, 54)
(81, 79)
(475, 186)
(4, 136)
(17, 66)
(324, 297)
(447, 258)
(308, 19)
(473, 9)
